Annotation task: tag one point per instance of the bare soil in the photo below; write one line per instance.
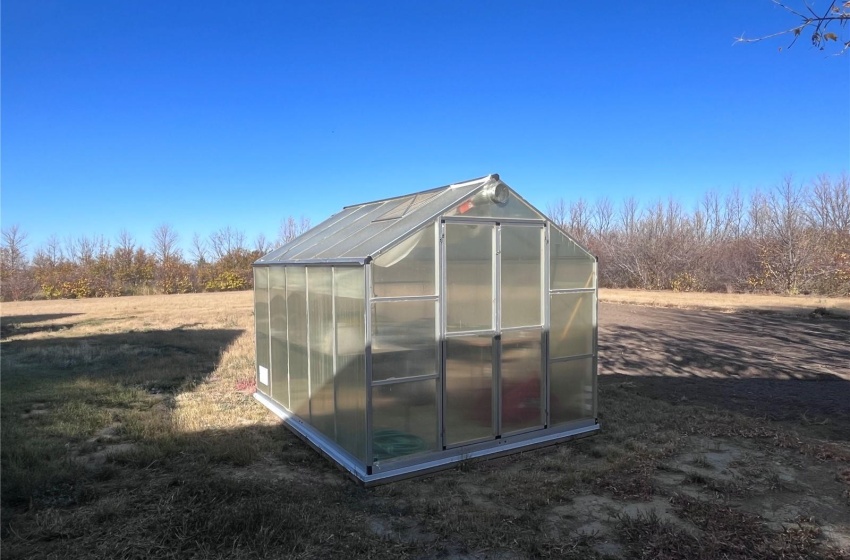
(793, 369)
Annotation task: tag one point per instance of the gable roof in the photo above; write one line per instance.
(360, 232)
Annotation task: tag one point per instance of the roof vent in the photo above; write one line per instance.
(497, 191)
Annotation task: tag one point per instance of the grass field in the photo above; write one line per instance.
(128, 431)
(789, 305)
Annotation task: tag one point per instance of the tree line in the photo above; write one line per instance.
(99, 267)
(793, 238)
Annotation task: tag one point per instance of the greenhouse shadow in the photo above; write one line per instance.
(161, 360)
(14, 324)
(778, 367)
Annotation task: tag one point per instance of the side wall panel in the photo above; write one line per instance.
(279, 334)
(572, 336)
(261, 323)
(350, 378)
(321, 333)
(296, 313)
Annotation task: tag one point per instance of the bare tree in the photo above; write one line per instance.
(262, 245)
(227, 241)
(15, 279)
(787, 244)
(126, 243)
(123, 263)
(165, 247)
(819, 24)
(14, 244)
(557, 212)
(714, 224)
(52, 251)
(579, 226)
(290, 229)
(734, 215)
(602, 217)
(628, 215)
(81, 250)
(829, 203)
(828, 215)
(198, 250)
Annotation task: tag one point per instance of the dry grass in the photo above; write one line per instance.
(128, 432)
(792, 305)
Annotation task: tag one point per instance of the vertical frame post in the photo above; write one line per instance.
(367, 300)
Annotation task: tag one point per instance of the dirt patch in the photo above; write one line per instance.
(398, 529)
(95, 460)
(271, 470)
(104, 446)
(35, 410)
(778, 486)
(789, 369)
(599, 517)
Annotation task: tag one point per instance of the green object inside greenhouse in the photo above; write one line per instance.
(393, 443)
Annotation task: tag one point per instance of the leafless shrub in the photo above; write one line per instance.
(793, 238)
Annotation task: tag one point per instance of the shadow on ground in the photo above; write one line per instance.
(64, 396)
(22, 324)
(778, 367)
(168, 357)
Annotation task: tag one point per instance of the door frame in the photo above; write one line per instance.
(495, 330)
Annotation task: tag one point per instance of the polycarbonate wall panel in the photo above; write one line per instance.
(522, 289)
(571, 324)
(572, 273)
(404, 416)
(469, 389)
(404, 342)
(407, 269)
(296, 313)
(321, 336)
(571, 390)
(350, 309)
(469, 277)
(570, 267)
(279, 352)
(563, 247)
(261, 322)
(522, 380)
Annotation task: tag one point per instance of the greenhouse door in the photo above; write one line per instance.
(493, 323)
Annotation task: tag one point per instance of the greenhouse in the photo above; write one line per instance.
(404, 335)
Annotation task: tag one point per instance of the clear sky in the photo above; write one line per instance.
(210, 114)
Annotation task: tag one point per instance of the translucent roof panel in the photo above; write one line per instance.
(412, 221)
(361, 232)
(363, 225)
(308, 237)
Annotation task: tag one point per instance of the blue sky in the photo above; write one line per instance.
(126, 115)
